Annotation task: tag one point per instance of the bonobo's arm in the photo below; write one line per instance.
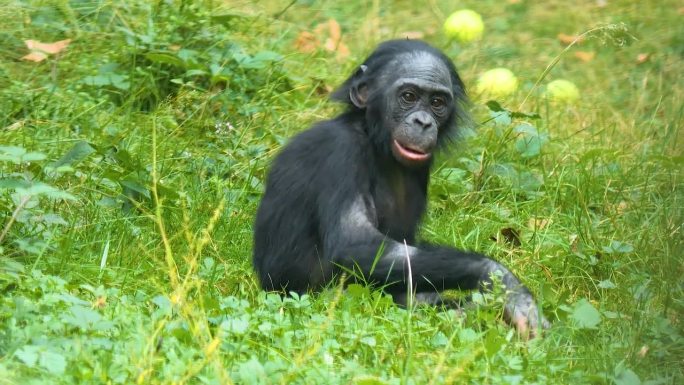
(353, 243)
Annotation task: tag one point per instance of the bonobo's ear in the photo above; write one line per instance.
(354, 90)
(359, 95)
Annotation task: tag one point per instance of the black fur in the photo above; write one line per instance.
(342, 192)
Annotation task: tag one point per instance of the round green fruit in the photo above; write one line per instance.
(497, 82)
(464, 25)
(562, 91)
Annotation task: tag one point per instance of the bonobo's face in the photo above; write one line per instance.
(419, 103)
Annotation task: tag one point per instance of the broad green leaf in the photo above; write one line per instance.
(627, 377)
(585, 315)
(439, 339)
(77, 153)
(530, 141)
(40, 188)
(19, 155)
(501, 118)
(267, 56)
(369, 340)
(453, 175)
(165, 58)
(11, 151)
(96, 80)
(54, 363)
(529, 146)
(13, 184)
(617, 247)
(28, 355)
(33, 156)
(606, 284)
(137, 187)
(526, 129)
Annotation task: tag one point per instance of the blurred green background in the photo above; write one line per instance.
(134, 141)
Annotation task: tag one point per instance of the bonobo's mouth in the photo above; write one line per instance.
(408, 153)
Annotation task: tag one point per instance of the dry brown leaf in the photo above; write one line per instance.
(574, 242)
(508, 235)
(49, 48)
(585, 56)
(411, 35)
(621, 207)
(100, 303)
(643, 58)
(568, 39)
(339, 47)
(327, 35)
(15, 126)
(306, 42)
(35, 56)
(538, 223)
(335, 30)
(40, 51)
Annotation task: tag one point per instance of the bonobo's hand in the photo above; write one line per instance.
(522, 312)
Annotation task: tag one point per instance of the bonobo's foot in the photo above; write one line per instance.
(522, 313)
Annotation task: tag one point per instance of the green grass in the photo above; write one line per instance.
(131, 164)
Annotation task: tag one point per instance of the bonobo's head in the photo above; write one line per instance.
(412, 97)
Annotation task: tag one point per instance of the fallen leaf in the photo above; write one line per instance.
(329, 32)
(508, 235)
(335, 30)
(621, 207)
(411, 35)
(339, 47)
(322, 88)
(40, 51)
(306, 42)
(49, 48)
(35, 57)
(574, 242)
(585, 56)
(334, 42)
(538, 223)
(15, 126)
(100, 303)
(568, 39)
(643, 58)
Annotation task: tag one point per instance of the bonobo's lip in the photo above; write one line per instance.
(408, 153)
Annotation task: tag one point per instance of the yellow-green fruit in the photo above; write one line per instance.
(464, 25)
(563, 91)
(497, 82)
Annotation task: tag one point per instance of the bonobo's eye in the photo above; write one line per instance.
(438, 104)
(409, 97)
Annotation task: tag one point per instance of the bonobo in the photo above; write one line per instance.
(348, 194)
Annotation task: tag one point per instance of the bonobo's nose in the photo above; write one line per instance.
(423, 120)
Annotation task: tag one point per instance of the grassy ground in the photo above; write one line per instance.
(131, 163)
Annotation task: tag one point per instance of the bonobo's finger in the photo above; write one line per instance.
(521, 326)
(536, 325)
(523, 314)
